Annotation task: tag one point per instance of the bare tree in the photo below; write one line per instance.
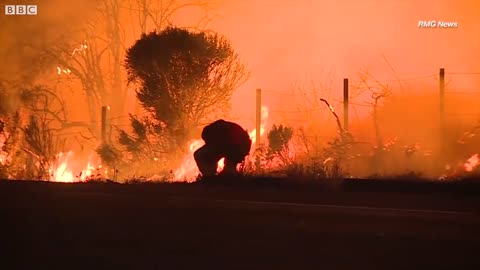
(29, 148)
(97, 60)
(46, 117)
(378, 92)
(83, 62)
(158, 14)
(114, 30)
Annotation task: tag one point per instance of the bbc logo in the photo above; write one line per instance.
(20, 9)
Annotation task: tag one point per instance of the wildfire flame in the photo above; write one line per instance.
(263, 123)
(2, 155)
(188, 170)
(64, 172)
(471, 163)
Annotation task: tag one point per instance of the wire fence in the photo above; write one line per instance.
(294, 114)
(356, 84)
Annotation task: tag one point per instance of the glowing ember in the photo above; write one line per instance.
(220, 165)
(471, 163)
(3, 156)
(82, 48)
(61, 71)
(328, 160)
(331, 108)
(188, 170)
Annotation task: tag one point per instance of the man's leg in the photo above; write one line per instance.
(235, 154)
(207, 158)
(232, 159)
(230, 167)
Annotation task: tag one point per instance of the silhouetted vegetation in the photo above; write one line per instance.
(184, 79)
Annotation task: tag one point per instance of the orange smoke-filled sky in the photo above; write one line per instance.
(284, 41)
(289, 41)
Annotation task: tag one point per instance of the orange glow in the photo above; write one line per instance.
(471, 163)
(188, 170)
(3, 155)
(312, 45)
(299, 41)
(263, 124)
(220, 165)
(61, 71)
(81, 49)
(64, 171)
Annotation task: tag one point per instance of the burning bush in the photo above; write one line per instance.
(29, 116)
(39, 146)
(12, 157)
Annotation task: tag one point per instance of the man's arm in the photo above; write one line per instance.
(212, 132)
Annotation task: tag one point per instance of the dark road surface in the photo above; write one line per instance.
(93, 226)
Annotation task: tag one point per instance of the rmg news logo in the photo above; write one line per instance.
(20, 9)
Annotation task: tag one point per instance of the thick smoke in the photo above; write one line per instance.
(27, 40)
(286, 41)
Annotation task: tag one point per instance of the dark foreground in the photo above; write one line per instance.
(177, 226)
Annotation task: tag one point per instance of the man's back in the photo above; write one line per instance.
(223, 132)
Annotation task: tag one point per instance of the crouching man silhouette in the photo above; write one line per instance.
(223, 139)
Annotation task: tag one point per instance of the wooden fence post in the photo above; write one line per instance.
(104, 124)
(258, 124)
(442, 110)
(345, 104)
